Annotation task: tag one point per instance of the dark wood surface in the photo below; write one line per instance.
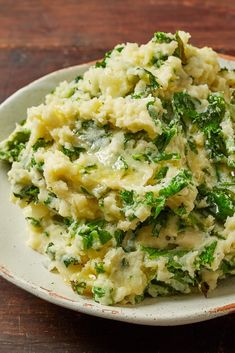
(39, 36)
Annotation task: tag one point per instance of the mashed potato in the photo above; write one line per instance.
(126, 175)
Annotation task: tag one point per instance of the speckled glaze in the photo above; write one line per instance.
(25, 268)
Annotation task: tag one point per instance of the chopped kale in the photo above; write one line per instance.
(104, 236)
(180, 211)
(162, 37)
(37, 165)
(50, 251)
(226, 267)
(78, 287)
(164, 157)
(179, 182)
(184, 107)
(215, 143)
(154, 253)
(119, 236)
(139, 298)
(161, 173)
(98, 292)
(149, 198)
(88, 168)
(180, 275)
(119, 49)
(159, 60)
(155, 158)
(78, 78)
(159, 288)
(127, 197)
(67, 221)
(159, 222)
(88, 240)
(11, 152)
(153, 84)
(91, 232)
(102, 64)
(214, 113)
(130, 203)
(157, 204)
(72, 153)
(209, 122)
(70, 261)
(41, 142)
(29, 193)
(35, 222)
(151, 110)
(99, 267)
(207, 255)
(221, 205)
(62, 220)
(151, 156)
(163, 140)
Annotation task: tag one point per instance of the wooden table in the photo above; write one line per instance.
(39, 36)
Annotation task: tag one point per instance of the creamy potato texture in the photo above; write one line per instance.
(126, 175)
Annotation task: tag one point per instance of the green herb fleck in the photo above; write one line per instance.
(162, 37)
(161, 173)
(98, 292)
(14, 146)
(99, 267)
(177, 183)
(29, 193)
(153, 84)
(119, 236)
(207, 255)
(78, 287)
(35, 222)
(70, 261)
(73, 153)
(50, 251)
(78, 78)
(41, 143)
(151, 110)
(163, 140)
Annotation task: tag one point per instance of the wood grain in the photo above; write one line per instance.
(99, 24)
(40, 36)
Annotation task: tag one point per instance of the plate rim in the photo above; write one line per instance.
(93, 308)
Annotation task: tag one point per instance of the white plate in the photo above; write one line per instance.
(24, 267)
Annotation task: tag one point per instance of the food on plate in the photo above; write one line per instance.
(126, 175)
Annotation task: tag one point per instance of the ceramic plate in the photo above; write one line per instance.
(24, 267)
